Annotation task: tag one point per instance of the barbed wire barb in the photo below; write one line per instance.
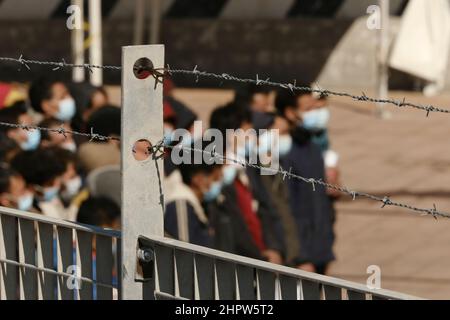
(227, 77)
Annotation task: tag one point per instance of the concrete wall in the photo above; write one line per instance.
(337, 53)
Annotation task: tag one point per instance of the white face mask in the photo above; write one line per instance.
(25, 202)
(70, 145)
(66, 110)
(316, 119)
(72, 188)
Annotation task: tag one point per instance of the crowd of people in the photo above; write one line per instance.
(237, 209)
(225, 206)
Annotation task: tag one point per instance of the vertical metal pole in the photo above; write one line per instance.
(142, 118)
(155, 21)
(95, 33)
(139, 19)
(382, 57)
(77, 38)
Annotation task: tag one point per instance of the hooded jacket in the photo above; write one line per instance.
(184, 216)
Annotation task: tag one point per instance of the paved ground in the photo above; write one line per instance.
(407, 158)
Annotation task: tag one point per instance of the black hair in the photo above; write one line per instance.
(98, 211)
(38, 166)
(254, 89)
(48, 123)
(6, 173)
(7, 145)
(230, 116)
(189, 170)
(41, 90)
(12, 114)
(284, 100)
(105, 121)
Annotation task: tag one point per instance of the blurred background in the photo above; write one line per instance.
(386, 48)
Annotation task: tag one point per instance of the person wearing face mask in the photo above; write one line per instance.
(245, 220)
(185, 217)
(18, 114)
(43, 171)
(54, 139)
(72, 192)
(275, 183)
(312, 209)
(52, 99)
(14, 192)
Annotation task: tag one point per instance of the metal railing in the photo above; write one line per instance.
(185, 271)
(46, 258)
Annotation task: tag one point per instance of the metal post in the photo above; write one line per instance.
(142, 118)
(77, 45)
(382, 58)
(155, 21)
(139, 19)
(95, 34)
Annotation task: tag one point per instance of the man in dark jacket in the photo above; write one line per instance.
(311, 207)
(192, 186)
(254, 227)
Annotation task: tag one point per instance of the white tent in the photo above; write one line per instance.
(422, 44)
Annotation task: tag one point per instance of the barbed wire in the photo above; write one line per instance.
(287, 174)
(57, 65)
(61, 130)
(227, 77)
(157, 151)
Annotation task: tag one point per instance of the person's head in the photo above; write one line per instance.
(13, 190)
(204, 179)
(42, 170)
(101, 212)
(261, 98)
(235, 117)
(18, 114)
(71, 181)
(293, 107)
(51, 139)
(52, 98)
(8, 148)
(98, 98)
(105, 121)
(316, 117)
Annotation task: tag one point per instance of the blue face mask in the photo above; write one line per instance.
(50, 193)
(213, 191)
(66, 109)
(25, 202)
(229, 174)
(285, 144)
(34, 138)
(316, 119)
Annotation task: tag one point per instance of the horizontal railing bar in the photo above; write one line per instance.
(263, 265)
(57, 273)
(59, 222)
